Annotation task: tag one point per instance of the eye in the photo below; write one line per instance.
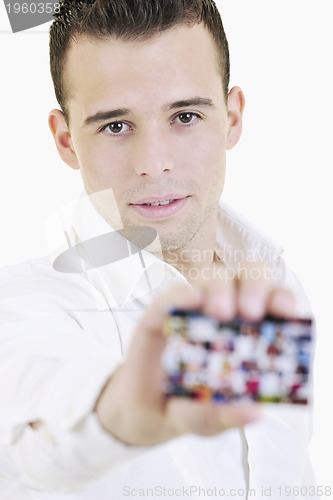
(187, 118)
(116, 128)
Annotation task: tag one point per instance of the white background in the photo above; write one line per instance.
(278, 175)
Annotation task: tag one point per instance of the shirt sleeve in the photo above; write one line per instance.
(52, 370)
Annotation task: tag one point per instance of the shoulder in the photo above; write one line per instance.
(239, 241)
(35, 283)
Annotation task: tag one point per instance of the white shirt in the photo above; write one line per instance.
(62, 335)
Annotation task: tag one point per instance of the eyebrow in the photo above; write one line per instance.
(195, 101)
(102, 116)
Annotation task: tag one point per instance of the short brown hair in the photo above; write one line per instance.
(129, 20)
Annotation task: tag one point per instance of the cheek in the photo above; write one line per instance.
(206, 158)
(101, 169)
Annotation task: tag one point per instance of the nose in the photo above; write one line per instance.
(153, 153)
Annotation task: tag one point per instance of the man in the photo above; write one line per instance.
(147, 117)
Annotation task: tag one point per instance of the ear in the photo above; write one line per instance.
(236, 104)
(62, 137)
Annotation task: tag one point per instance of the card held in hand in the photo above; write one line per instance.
(267, 361)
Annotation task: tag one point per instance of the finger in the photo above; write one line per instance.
(254, 287)
(208, 419)
(180, 297)
(282, 302)
(220, 298)
(144, 356)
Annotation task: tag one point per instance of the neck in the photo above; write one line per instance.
(196, 260)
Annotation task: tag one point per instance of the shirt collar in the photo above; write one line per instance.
(239, 240)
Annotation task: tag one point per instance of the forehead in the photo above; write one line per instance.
(184, 56)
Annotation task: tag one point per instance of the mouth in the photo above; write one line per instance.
(160, 207)
(158, 203)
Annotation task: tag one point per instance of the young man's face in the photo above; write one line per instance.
(149, 120)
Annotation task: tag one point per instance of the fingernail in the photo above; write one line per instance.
(251, 306)
(221, 306)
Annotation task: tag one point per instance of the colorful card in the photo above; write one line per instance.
(266, 361)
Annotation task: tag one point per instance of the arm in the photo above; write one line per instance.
(52, 368)
(58, 441)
